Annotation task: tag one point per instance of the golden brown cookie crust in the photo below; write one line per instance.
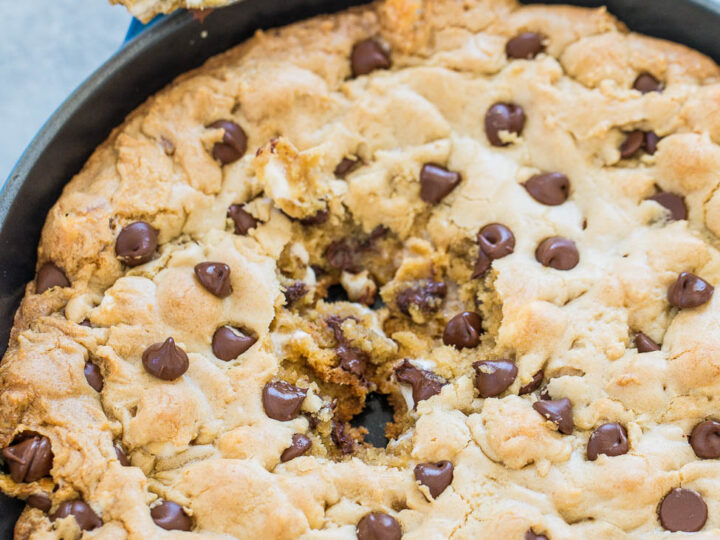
(205, 441)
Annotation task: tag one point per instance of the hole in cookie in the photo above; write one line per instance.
(336, 293)
(374, 417)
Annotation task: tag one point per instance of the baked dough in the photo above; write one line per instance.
(521, 205)
(145, 10)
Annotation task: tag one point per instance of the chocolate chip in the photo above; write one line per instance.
(551, 188)
(167, 145)
(378, 526)
(215, 277)
(352, 359)
(282, 401)
(558, 253)
(165, 360)
(463, 330)
(558, 411)
(346, 166)
(705, 439)
(85, 516)
(436, 182)
(503, 117)
(367, 56)
(636, 140)
(94, 376)
(40, 501)
(341, 255)
(689, 291)
(171, 517)
(243, 220)
(50, 276)
(496, 240)
(122, 456)
(534, 384)
(683, 510)
(342, 440)
(482, 265)
(300, 444)
(674, 203)
(647, 83)
(425, 384)
(229, 342)
(136, 243)
(234, 142)
(525, 46)
(645, 344)
(426, 297)
(530, 535)
(436, 476)
(30, 459)
(492, 378)
(650, 142)
(295, 292)
(320, 217)
(609, 439)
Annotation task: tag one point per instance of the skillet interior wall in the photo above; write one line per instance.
(175, 46)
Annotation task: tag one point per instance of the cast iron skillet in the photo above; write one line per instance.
(173, 46)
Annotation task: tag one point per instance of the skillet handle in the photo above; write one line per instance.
(136, 27)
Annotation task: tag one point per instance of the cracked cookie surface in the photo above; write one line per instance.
(502, 217)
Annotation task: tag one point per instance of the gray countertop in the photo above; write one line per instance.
(47, 48)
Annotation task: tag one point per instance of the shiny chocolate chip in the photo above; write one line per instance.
(346, 166)
(352, 359)
(675, 204)
(482, 265)
(367, 56)
(436, 182)
(463, 330)
(378, 526)
(632, 143)
(295, 292)
(234, 142)
(551, 188)
(525, 46)
(342, 440)
(30, 459)
(229, 342)
(558, 253)
(84, 515)
(531, 535)
(49, 276)
(609, 439)
(492, 378)
(645, 83)
(40, 501)
(136, 243)
(318, 218)
(503, 117)
(171, 517)
(243, 220)
(650, 142)
(683, 510)
(426, 297)
(436, 476)
(94, 376)
(122, 456)
(689, 291)
(424, 383)
(559, 412)
(705, 439)
(533, 385)
(300, 445)
(645, 344)
(165, 360)
(282, 400)
(215, 277)
(496, 240)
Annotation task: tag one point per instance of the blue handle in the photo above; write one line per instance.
(136, 27)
